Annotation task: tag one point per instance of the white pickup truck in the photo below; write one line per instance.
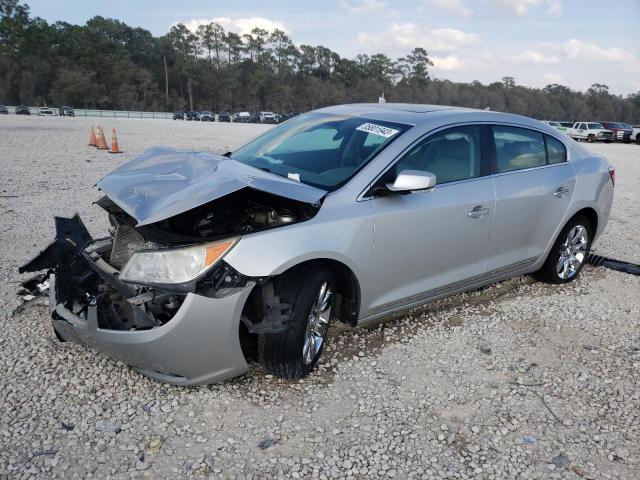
(591, 132)
(635, 135)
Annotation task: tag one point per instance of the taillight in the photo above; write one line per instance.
(612, 175)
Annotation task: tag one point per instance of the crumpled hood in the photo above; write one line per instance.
(164, 182)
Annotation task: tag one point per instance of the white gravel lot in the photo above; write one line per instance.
(519, 380)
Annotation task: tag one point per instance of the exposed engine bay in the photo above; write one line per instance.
(240, 213)
(87, 271)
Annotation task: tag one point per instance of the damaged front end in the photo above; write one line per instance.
(157, 294)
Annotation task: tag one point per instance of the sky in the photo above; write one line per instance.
(572, 42)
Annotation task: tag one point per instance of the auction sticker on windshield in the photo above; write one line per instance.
(377, 130)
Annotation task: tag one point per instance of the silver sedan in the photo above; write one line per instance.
(349, 213)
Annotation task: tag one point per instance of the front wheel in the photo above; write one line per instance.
(293, 353)
(591, 138)
(638, 139)
(569, 252)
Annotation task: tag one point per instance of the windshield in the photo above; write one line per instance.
(319, 149)
(594, 126)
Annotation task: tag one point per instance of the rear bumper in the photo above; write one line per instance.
(198, 345)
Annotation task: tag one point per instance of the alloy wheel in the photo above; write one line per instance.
(317, 324)
(573, 252)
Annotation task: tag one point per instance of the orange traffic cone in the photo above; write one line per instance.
(92, 137)
(114, 142)
(101, 142)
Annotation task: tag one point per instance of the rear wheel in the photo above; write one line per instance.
(294, 353)
(638, 138)
(569, 252)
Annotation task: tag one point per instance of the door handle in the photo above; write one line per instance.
(562, 192)
(478, 212)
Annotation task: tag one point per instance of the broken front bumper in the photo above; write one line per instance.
(199, 344)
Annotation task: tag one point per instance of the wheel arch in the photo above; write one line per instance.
(590, 214)
(347, 289)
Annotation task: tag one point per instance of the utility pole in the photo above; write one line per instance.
(166, 81)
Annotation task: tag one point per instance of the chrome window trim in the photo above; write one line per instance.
(362, 197)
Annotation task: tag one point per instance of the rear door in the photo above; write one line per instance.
(534, 183)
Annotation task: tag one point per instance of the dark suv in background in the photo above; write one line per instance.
(224, 117)
(620, 132)
(66, 111)
(23, 110)
(4, 110)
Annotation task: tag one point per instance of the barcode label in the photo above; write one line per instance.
(377, 130)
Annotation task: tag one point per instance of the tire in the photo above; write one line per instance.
(559, 268)
(591, 138)
(638, 139)
(294, 353)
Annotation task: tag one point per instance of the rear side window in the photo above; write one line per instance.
(556, 151)
(518, 148)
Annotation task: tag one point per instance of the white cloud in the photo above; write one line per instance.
(455, 7)
(239, 25)
(552, 78)
(450, 63)
(577, 49)
(366, 6)
(532, 57)
(555, 8)
(523, 8)
(410, 35)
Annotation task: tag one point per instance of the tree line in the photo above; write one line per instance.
(109, 65)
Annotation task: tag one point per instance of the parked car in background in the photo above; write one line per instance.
(287, 116)
(265, 117)
(206, 116)
(192, 116)
(621, 132)
(224, 117)
(276, 239)
(634, 134)
(66, 111)
(557, 125)
(23, 110)
(45, 111)
(242, 117)
(566, 124)
(178, 115)
(590, 132)
(4, 110)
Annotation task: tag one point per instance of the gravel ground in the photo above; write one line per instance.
(518, 380)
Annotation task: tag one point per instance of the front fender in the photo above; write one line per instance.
(344, 234)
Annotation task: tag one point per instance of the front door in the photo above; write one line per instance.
(429, 241)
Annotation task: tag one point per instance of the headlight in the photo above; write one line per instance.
(174, 265)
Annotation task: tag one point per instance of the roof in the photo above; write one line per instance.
(416, 114)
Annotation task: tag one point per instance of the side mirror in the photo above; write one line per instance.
(412, 180)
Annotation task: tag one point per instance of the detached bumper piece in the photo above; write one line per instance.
(180, 338)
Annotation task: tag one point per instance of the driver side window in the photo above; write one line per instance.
(451, 155)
